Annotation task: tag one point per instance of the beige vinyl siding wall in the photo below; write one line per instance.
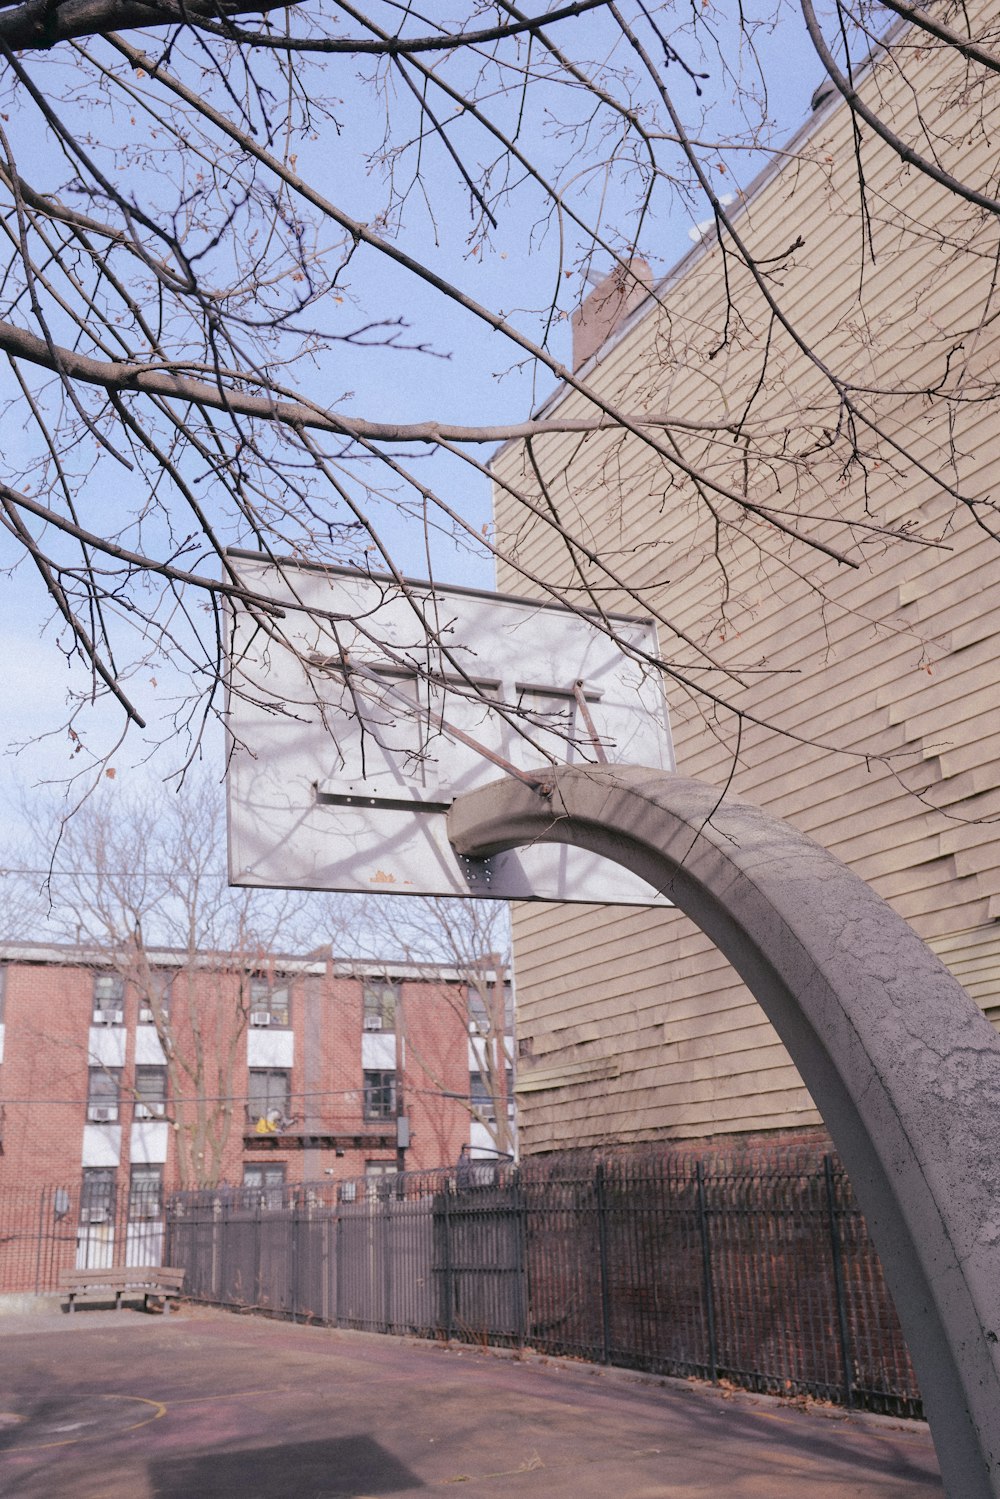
(633, 1026)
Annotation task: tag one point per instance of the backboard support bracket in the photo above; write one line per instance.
(371, 703)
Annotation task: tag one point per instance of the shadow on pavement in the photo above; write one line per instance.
(339, 1466)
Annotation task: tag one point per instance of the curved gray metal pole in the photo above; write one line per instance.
(901, 1063)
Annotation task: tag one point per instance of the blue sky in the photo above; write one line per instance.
(467, 384)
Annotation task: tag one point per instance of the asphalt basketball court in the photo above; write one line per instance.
(205, 1404)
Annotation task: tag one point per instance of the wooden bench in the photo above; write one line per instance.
(161, 1281)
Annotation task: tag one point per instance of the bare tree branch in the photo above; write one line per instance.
(39, 24)
(150, 378)
(209, 346)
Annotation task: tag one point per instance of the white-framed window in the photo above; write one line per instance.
(97, 1195)
(380, 1000)
(109, 999)
(150, 1092)
(484, 1008)
(145, 1193)
(267, 1178)
(270, 1001)
(480, 1097)
(103, 1094)
(154, 1003)
(268, 1099)
(380, 1094)
(264, 1174)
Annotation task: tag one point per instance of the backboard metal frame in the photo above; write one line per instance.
(357, 717)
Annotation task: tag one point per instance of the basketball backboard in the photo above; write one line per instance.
(356, 720)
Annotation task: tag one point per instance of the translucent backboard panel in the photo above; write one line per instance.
(357, 718)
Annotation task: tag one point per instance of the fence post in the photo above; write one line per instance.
(520, 1211)
(119, 1228)
(338, 1269)
(221, 1242)
(838, 1282)
(296, 1248)
(706, 1268)
(41, 1230)
(385, 1228)
(446, 1280)
(258, 1220)
(168, 1230)
(602, 1241)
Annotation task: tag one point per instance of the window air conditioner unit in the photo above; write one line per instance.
(373, 1022)
(98, 1215)
(146, 1016)
(109, 1017)
(149, 1111)
(103, 1115)
(260, 1017)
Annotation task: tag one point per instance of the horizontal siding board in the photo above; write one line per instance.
(901, 655)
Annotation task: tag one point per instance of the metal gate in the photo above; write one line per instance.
(479, 1263)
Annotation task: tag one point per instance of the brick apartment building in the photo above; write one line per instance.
(114, 1093)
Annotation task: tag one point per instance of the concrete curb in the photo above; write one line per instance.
(24, 1303)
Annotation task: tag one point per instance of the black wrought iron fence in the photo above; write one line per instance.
(85, 1226)
(754, 1270)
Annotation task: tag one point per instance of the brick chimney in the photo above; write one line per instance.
(602, 313)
